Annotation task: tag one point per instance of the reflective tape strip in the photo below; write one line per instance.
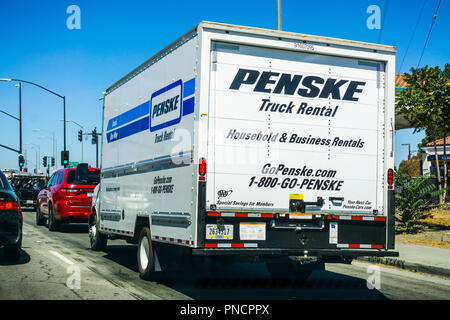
(231, 245)
(300, 216)
(173, 240)
(240, 215)
(360, 246)
(116, 231)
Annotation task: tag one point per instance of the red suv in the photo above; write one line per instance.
(67, 196)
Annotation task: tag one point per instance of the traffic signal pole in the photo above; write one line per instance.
(96, 151)
(94, 140)
(20, 117)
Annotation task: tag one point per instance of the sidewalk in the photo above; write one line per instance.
(417, 258)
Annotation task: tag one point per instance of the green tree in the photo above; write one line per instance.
(425, 104)
(416, 197)
(411, 167)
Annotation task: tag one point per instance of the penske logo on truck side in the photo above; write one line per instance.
(303, 85)
(165, 108)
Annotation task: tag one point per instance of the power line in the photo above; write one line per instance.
(382, 22)
(412, 36)
(431, 27)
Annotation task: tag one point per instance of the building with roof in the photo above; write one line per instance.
(429, 157)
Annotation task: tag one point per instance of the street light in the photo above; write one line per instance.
(48, 90)
(38, 154)
(15, 118)
(54, 142)
(44, 137)
(82, 128)
(18, 119)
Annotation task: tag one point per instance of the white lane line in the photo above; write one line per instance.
(60, 256)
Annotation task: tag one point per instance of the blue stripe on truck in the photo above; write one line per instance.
(128, 130)
(189, 88)
(129, 116)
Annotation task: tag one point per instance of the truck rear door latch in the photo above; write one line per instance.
(298, 205)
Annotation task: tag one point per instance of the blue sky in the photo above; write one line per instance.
(116, 36)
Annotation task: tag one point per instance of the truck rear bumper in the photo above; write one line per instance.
(319, 253)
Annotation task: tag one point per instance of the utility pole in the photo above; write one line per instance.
(279, 15)
(409, 149)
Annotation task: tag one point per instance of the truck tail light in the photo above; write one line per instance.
(390, 179)
(202, 167)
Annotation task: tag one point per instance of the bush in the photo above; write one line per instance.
(415, 198)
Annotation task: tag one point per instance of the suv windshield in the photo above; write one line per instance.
(92, 179)
(27, 183)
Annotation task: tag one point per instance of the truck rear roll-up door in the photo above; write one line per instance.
(286, 124)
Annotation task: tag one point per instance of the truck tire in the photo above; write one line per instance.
(40, 220)
(98, 240)
(53, 225)
(145, 256)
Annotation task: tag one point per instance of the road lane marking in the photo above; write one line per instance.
(61, 257)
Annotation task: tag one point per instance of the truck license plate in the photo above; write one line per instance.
(224, 232)
(30, 201)
(90, 194)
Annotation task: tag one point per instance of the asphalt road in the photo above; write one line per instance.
(60, 265)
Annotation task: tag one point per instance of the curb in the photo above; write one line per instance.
(406, 265)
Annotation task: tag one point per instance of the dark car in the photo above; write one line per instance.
(67, 196)
(11, 220)
(27, 186)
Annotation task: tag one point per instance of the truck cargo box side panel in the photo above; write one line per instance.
(147, 168)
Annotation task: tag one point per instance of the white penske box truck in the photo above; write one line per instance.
(240, 143)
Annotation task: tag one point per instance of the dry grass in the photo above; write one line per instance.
(439, 239)
(436, 233)
(440, 218)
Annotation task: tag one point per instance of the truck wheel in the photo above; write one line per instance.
(52, 224)
(289, 270)
(145, 254)
(98, 240)
(40, 220)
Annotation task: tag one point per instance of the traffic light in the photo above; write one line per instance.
(44, 161)
(94, 136)
(80, 135)
(53, 162)
(21, 161)
(64, 158)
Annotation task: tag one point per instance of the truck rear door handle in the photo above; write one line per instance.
(298, 227)
(336, 199)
